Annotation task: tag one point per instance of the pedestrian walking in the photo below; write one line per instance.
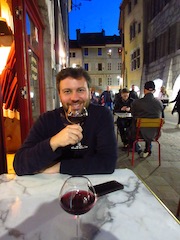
(133, 94)
(164, 97)
(106, 99)
(177, 108)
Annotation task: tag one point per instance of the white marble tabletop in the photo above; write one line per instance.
(29, 210)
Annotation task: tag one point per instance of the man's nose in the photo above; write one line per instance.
(74, 96)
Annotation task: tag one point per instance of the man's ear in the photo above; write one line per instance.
(59, 97)
(90, 89)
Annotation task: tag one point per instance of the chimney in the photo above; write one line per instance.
(78, 34)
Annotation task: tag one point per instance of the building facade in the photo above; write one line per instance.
(100, 55)
(151, 43)
(162, 45)
(131, 26)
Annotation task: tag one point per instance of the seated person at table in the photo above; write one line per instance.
(146, 107)
(48, 145)
(123, 105)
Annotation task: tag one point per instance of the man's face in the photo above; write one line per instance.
(74, 92)
(125, 96)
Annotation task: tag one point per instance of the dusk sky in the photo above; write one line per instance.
(95, 15)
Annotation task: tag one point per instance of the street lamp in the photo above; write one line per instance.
(120, 80)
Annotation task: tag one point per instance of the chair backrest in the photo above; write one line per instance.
(149, 123)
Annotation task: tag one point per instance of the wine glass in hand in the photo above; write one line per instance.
(77, 196)
(77, 116)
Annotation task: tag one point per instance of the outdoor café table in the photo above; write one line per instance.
(127, 117)
(123, 115)
(30, 210)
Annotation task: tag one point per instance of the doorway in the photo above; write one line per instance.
(21, 73)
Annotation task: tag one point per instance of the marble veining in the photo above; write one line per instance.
(30, 210)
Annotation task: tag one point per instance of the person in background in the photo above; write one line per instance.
(94, 98)
(177, 108)
(146, 107)
(123, 106)
(164, 97)
(106, 98)
(133, 93)
(117, 96)
(48, 146)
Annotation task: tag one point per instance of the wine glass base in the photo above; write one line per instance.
(79, 238)
(79, 147)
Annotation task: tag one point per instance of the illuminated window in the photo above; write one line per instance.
(86, 66)
(100, 81)
(119, 65)
(85, 51)
(99, 66)
(132, 30)
(109, 66)
(109, 83)
(72, 54)
(99, 51)
(135, 60)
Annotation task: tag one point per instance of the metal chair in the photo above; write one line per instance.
(147, 123)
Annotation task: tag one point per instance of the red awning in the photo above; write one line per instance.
(9, 85)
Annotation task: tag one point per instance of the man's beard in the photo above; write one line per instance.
(82, 104)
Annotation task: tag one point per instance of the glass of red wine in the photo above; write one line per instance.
(77, 197)
(75, 116)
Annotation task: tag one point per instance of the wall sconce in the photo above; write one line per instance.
(4, 28)
(109, 52)
(6, 39)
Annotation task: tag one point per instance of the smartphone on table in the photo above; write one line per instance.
(107, 187)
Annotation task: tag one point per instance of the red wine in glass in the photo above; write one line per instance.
(77, 202)
(77, 197)
(76, 120)
(75, 116)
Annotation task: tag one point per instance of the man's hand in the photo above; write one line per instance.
(70, 135)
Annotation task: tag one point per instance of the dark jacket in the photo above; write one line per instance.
(121, 103)
(98, 134)
(107, 97)
(146, 107)
(133, 94)
(177, 102)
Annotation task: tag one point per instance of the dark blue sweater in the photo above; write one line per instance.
(98, 134)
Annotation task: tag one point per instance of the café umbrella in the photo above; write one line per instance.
(9, 85)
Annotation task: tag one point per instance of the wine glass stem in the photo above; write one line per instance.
(77, 226)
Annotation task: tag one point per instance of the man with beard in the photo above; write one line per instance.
(48, 147)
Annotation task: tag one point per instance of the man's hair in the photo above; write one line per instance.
(125, 90)
(149, 85)
(76, 73)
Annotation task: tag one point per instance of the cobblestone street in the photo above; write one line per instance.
(164, 181)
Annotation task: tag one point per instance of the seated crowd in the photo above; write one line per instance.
(146, 107)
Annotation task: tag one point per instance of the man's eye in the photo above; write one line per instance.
(81, 90)
(67, 91)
